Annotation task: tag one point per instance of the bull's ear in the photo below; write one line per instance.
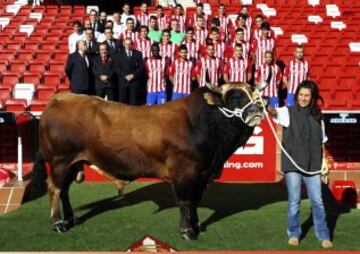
(212, 98)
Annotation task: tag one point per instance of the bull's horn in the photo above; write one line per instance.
(213, 88)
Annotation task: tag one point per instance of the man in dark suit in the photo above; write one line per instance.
(114, 46)
(78, 69)
(103, 70)
(95, 23)
(92, 46)
(131, 74)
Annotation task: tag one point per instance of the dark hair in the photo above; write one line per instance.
(144, 27)
(215, 21)
(155, 45)
(130, 19)
(166, 31)
(242, 15)
(78, 23)
(200, 5)
(182, 47)
(239, 29)
(153, 17)
(159, 7)
(189, 28)
(259, 16)
(265, 25)
(315, 97)
(238, 45)
(214, 29)
(103, 44)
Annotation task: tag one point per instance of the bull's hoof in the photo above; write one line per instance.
(59, 227)
(189, 234)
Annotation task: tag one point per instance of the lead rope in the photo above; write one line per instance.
(279, 142)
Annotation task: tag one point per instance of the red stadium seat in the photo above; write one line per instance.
(43, 55)
(37, 105)
(56, 67)
(5, 93)
(37, 66)
(63, 46)
(52, 79)
(25, 55)
(10, 77)
(52, 10)
(51, 46)
(61, 55)
(65, 10)
(3, 66)
(52, 38)
(15, 105)
(32, 78)
(7, 55)
(31, 46)
(45, 92)
(18, 65)
(20, 36)
(78, 10)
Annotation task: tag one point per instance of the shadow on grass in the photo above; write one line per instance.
(333, 212)
(225, 199)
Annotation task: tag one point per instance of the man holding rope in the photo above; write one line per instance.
(303, 159)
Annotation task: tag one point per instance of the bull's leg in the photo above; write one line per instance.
(58, 185)
(56, 221)
(189, 229)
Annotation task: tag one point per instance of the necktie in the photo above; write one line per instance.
(129, 55)
(104, 60)
(112, 45)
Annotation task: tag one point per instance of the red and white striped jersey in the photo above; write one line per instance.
(247, 33)
(236, 69)
(261, 75)
(168, 50)
(200, 35)
(193, 49)
(181, 19)
(144, 45)
(163, 22)
(143, 19)
(211, 65)
(256, 34)
(182, 73)
(229, 51)
(156, 69)
(248, 22)
(296, 72)
(192, 20)
(219, 49)
(129, 34)
(260, 46)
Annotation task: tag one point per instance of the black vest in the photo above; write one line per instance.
(303, 141)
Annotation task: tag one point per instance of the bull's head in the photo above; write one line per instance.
(237, 100)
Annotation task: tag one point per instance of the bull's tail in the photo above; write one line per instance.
(38, 176)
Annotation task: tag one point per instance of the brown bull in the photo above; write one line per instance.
(184, 142)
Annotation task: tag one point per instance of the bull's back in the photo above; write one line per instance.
(100, 129)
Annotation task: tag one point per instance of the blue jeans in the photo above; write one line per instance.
(274, 102)
(176, 96)
(290, 99)
(156, 98)
(313, 187)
